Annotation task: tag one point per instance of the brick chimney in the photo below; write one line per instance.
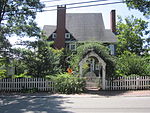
(113, 29)
(113, 21)
(59, 41)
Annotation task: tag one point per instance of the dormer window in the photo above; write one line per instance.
(54, 35)
(67, 35)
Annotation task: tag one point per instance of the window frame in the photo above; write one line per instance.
(70, 46)
(67, 35)
(54, 35)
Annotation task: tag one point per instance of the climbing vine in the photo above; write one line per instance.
(99, 49)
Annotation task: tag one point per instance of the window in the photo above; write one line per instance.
(72, 46)
(54, 35)
(112, 49)
(67, 35)
(97, 66)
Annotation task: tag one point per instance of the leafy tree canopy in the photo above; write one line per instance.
(131, 33)
(39, 61)
(142, 5)
(17, 17)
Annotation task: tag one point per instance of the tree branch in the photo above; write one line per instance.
(2, 9)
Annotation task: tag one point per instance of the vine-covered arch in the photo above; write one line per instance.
(100, 61)
(99, 51)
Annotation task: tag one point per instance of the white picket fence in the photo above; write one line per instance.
(19, 84)
(121, 83)
(128, 83)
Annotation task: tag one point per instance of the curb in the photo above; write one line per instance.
(69, 96)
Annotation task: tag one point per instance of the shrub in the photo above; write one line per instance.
(2, 73)
(69, 84)
(129, 64)
(23, 75)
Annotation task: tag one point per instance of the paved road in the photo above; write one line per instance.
(74, 104)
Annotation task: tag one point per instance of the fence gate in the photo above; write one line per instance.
(93, 83)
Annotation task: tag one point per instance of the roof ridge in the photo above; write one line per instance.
(83, 13)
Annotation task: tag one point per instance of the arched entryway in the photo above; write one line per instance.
(97, 68)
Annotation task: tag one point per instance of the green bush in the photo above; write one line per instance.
(23, 75)
(2, 73)
(69, 84)
(129, 64)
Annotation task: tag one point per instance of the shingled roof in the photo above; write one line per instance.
(85, 27)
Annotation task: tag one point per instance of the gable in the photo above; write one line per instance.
(50, 37)
(85, 27)
(48, 30)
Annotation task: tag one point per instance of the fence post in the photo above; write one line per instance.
(137, 83)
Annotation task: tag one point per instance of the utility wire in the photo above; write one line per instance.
(86, 6)
(94, 5)
(76, 3)
(73, 7)
(69, 4)
(52, 1)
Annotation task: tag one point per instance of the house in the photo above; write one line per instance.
(76, 28)
(73, 28)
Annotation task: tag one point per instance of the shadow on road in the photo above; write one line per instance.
(28, 104)
(105, 93)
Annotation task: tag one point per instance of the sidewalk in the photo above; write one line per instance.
(121, 93)
(92, 93)
(137, 93)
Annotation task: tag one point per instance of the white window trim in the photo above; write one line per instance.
(112, 49)
(67, 35)
(54, 35)
(72, 44)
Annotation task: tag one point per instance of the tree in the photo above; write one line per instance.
(130, 35)
(17, 17)
(147, 45)
(40, 60)
(142, 5)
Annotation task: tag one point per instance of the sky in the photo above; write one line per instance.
(49, 17)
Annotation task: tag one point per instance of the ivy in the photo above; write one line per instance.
(99, 49)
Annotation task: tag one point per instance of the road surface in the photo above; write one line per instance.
(74, 104)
